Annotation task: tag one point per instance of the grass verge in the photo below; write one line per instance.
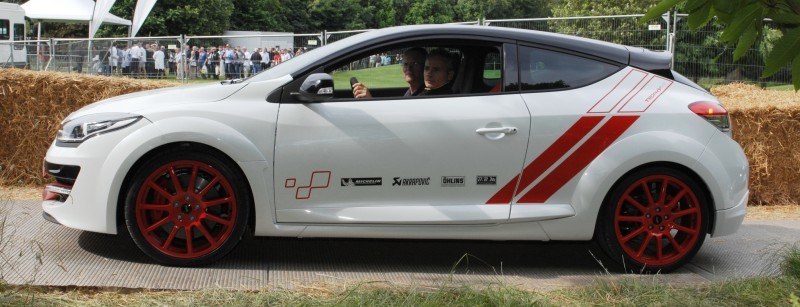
(764, 291)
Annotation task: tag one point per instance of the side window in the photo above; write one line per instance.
(493, 71)
(4, 30)
(19, 32)
(376, 71)
(548, 70)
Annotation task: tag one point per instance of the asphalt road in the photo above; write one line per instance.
(33, 251)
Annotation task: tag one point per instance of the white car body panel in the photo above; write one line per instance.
(312, 168)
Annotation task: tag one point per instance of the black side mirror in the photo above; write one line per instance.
(315, 88)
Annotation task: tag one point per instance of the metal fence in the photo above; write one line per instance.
(698, 55)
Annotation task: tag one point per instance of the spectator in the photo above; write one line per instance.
(229, 54)
(113, 59)
(212, 62)
(149, 64)
(158, 62)
(246, 62)
(202, 60)
(180, 61)
(265, 58)
(126, 61)
(255, 58)
(135, 59)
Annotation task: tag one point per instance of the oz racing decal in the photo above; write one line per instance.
(399, 181)
(486, 180)
(357, 182)
(452, 181)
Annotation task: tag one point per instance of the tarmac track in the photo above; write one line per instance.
(34, 251)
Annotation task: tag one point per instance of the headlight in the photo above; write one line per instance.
(77, 130)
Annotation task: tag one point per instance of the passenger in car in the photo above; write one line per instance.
(439, 72)
(413, 64)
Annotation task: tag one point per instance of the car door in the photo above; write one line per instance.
(418, 160)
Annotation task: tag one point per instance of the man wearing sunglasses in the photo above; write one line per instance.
(413, 70)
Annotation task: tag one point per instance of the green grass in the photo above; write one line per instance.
(764, 291)
(377, 77)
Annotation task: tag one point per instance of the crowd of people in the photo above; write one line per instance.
(193, 62)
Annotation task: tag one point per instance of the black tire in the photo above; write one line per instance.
(183, 226)
(646, 235)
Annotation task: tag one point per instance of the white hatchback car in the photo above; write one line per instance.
(539, 137)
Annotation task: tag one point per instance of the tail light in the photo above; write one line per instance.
(713, 113)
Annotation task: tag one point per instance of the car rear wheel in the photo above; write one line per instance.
(655, 220)
(187, 208)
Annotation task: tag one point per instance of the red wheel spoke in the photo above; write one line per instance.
(217, 219)
(208, 187)
(684, 212)
(208, 236)
(169, 239)
(154, 207)
(632, 235)
(674, 243)
(662, 196)
(175, 181)
(216, 202)
(189, 248)
(636, 204)
(674, 201)
(626, 218)
(686, 230)
(192, 179)
(644, 245)
(659, 247)
(159, 190)
(646, 189)
(157, 224)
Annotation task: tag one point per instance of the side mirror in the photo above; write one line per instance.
(315, 88)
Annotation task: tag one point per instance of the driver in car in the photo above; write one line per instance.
(413, 67)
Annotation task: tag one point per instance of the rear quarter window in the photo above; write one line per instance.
(542, 69)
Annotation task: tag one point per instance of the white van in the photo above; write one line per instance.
(12, 29)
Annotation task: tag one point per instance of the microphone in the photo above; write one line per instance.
(353, 81)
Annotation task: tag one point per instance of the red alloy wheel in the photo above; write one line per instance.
(658, 220)
(186, 209)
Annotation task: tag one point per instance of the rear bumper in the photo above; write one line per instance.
(728, 221)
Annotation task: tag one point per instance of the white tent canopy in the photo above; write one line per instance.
(67, 11)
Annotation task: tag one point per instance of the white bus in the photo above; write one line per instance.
(12, 29)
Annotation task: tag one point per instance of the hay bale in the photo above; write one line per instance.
(32, 105)
(767, 125)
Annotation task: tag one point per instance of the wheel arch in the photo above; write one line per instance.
(709, 198)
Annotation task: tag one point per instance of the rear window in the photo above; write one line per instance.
(542, 69)
(19, 32)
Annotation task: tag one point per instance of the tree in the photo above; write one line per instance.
(476, 9)
(174, 17)
(431, 11)
(257, 15)
(743, 24)
(337, 15)
(626, 31)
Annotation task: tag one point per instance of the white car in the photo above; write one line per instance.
(543, 137)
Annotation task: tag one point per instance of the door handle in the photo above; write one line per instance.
(506, 130)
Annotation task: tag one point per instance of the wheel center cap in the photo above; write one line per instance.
(186, 208)
(657, 220)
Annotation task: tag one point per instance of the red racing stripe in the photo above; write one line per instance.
(579, 159)
(535, 169)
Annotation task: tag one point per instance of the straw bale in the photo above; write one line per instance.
(32, 104)
(767, 125)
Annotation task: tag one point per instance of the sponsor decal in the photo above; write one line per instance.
(486, 180)
(452, 181)
(357, 182)
(319, 180)
(399, 181)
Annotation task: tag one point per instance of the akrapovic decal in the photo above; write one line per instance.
(399, 181)
(452, 181)
(356, 182)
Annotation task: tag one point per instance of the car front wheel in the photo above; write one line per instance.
(187, 208)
